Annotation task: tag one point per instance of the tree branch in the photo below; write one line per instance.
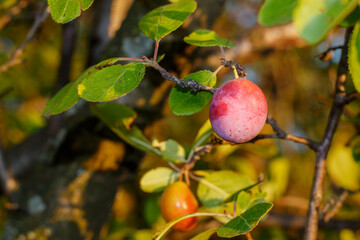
(193, 85)
(297, 222)
(327, 215)
(329, 53)
(337, 108)
(13, 11)
(352, 96)
(15, 57)
(239, 68)
(281, 134)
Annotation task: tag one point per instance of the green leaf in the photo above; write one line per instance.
(151, 212)
(119, 118)
(356, 152)
(156, 180)
(244, 222)
(234, 196)
(63, 100)
(340, 161)
(63, 11)
(165, 19)
(315, 19)
(85, 4)
(203, 135)
(109, 83)
(274, 12)
(205, 235)
(66, 97)
(108, 62)
(354, 56)
(171, 150)
(243, 201)
(207, 38)
(184, 102)
(219, 185)
(278, 178)
(351, 19)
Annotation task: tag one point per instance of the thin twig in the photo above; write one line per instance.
(191, 84)
(322, 150)
(5, 92)
(235, 65)
(13, 11)
(329, 53)
(327, 215)
(199, 151)
(281, 134)
(352, 96)
(14, 59)
(222, 52)
(298, 222)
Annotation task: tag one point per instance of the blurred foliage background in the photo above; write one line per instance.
(83, 183)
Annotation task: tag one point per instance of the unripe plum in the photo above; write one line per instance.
(238, 110)
(176, 201)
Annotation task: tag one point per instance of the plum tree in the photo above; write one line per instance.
(238, 110)
(176, 201)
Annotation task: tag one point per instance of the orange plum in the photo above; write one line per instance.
(176, 201)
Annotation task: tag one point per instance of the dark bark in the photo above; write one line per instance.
(323, 149)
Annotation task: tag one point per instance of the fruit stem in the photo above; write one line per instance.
(173, 166)
(216, 71)
(222, 52)
(186, 175)
(156, 51)
(181, 174)
(248, 236)
(234, 209)
(235, 71)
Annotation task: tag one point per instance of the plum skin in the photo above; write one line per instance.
(177, 200)
(238, 110)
